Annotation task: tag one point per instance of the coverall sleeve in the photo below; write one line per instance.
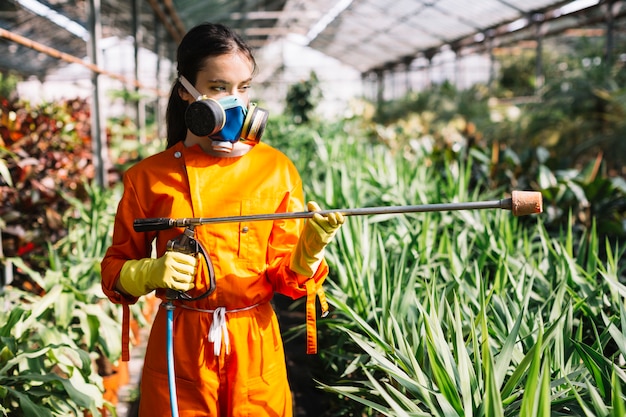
(127, 244)
(283, 239)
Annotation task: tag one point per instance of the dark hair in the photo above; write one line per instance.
(202, 41)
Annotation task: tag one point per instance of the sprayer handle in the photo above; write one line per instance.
(151, 224)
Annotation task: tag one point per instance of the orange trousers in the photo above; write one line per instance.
(248, 378)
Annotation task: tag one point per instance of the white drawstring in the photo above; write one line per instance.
(218, 330)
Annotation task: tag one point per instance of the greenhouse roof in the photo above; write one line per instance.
(368, 35)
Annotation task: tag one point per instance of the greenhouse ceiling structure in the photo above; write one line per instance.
(371, 36)
(375, 38)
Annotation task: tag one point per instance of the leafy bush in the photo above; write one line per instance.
(53, 341)
(302, 98)
(59, 333)
(46, 153)
(462, 313)
(570, 153)
(459, 313)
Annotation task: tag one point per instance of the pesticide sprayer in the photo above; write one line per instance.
(521, 203)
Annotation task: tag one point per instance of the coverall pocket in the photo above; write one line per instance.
(270, 394)
(194, 399)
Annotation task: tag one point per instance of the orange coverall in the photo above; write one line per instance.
(251, 262)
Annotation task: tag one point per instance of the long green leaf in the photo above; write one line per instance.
(530, 399)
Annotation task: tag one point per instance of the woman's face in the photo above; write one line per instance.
(224, 75)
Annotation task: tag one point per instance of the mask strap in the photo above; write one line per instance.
(190, 88)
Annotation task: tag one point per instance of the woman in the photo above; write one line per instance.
(229, 358)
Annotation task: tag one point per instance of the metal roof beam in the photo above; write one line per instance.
(268, 31)
(225, 13)
(271, 15)
(169, 6)
(55, 53)
(501, 31)
(174, 32)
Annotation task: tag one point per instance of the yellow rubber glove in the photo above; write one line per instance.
(316, 234)
(173, 270)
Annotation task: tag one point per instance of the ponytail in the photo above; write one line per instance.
(175, 117)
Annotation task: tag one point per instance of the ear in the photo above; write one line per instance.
(184, 94)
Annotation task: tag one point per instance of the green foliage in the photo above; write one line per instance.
(132, 100)
(59, 333)
(125, 149)
(437, 106)
(52, 340)
(46, 152)
(517, 75)
(579, 113)
(462, 313)
(8, 85)
(302, 98)
(467, 313)
(522, 146)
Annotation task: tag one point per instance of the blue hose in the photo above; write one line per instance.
(171, 375)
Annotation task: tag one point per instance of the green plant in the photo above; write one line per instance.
(302, 98)
(44, 370)
(46, 152)
(53, 342)
(458, 313)
(8, 84)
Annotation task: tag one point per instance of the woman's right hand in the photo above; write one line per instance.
(173, 270)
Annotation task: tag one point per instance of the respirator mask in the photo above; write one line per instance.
(228, 122)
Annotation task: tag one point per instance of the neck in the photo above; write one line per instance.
(239, 149)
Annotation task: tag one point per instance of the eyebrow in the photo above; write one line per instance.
(218, 81)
